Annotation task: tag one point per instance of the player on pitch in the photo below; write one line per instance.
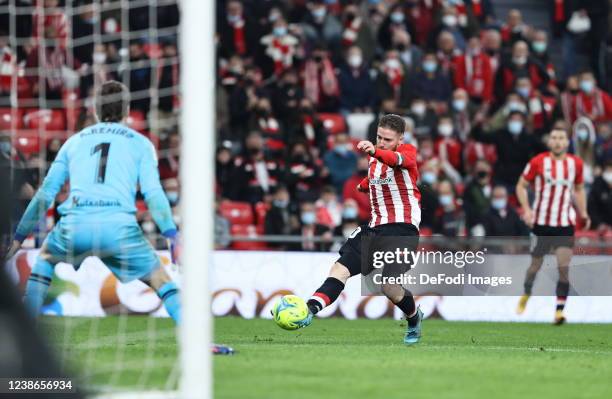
(395, 211)
(556, 175)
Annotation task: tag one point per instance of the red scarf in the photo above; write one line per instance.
(280, 56)
(559, 11)
(316, 83)
(351, 31)
(593, 109)
(239, 40)
(477, 8)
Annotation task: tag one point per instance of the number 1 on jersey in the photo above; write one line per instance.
(103, 148)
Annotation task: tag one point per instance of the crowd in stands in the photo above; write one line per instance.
(299, 82)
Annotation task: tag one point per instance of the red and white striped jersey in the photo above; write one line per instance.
(392, 182)
(554, 182)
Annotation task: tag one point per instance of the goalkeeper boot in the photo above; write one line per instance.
(413, 334)
(522, 304)
(559, 318)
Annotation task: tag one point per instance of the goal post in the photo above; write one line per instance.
(197, 128)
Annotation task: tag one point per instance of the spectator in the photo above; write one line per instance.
(483, 11)
(222, 228)
(237, 33)
(307, 127)
(410, 54)
(591, 101)
(278, 218)
(357, 32)
(329, 209)
(500, 219)
(451, 22)
(421, 16)
(341, 161)
(446, 52)
(477, 196)
(172, 189)
(303, 173)
(515, 147)
(225, 172)
(356, 86)
(309, 229)
(447, 147)
(431, 84)
(462, 113)
(449, 219)
(540, 53)
(244, 98)
(50, 18)
(583, 143)
(473, 72)
(519, 65)
(264, 121)
(491, 45)
(320, 82)
(137, 75)
(319, 26)
(543, 110)
(514, 30)
(170, 159)
(429, 195)
(395, 21)
(168, 85)
(600, 200)
(423, 117)
(285, 95)
(53, 147)
(281, 47)
(349, 192)
(568, 98)
(392, 81)
(350, 222)
(258, 174)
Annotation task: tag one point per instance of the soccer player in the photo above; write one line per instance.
(105, 164)
(395, 211)
(557, 176)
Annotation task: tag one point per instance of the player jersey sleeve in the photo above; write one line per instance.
(53, 182)
(151, 189)
(404, 158)
(530, 171)
(579, 179)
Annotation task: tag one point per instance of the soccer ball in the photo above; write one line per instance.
(289, 311)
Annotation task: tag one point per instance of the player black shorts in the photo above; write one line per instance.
(548, 238)
(350, 252)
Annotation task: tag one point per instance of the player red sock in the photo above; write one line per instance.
(325, 295)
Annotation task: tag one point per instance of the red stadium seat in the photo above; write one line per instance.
(584, 242)
(27, 141)
(238, 213)
(8, 117)
(333, 123)
(261, 208)
(46, 119)
(247, 231)
(137, 121)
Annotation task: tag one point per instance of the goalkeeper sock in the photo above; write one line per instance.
(407, 305)
(169, 295)
(38, 285)
(562, 292)
(325, 295)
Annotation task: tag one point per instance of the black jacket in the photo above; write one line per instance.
(509, 226)
(600, 203)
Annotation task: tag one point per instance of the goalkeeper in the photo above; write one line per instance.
(105, 164)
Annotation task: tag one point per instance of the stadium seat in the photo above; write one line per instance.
(46, 119)
(261, 208)
(27, 141)
(238, 213)
(137, 121)
(587, 242)
(358, 125)
(8, 117)
(247, 231)
(333, 123)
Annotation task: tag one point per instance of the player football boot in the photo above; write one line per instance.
(559, 318)
(413, 334)
(522, 304)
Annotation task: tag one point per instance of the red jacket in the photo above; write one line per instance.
(363, 200)
(597, 107)
(474, 74)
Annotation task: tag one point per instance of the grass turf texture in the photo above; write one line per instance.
(337, 358)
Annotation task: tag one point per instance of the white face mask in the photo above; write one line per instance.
(355, 60)
(393, 63)
(499, 203)
(445, 129)
(522, 60)
(99, 57)
(449, 20)
(446, 200)
(418, 109)
(607, 176)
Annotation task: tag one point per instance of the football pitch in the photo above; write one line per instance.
(337, 358)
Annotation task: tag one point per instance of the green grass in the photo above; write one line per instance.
(336, 358)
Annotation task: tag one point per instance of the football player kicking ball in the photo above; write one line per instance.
(556, 175)
(394, 198)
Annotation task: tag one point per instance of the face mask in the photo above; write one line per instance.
(519, 60)
(280, 31)
(5, 147)
(446, 200)
(607, 176)
(172, 196)
(430, 66)
(280, 203)
(418, 109)
(393, 63)
(341, 149)
(232, 19)
(429, 178)
(445, 129)
(349, 213)
(539, 47)
(582, 134)
(308, 218)
(459, 105)
(99, 58)
(499, 203)
(523, 91)
(481, 174)
(449, 20)
(355, 61)
(319, 13)
(587, 85)
(515, 127)
(397, 17)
